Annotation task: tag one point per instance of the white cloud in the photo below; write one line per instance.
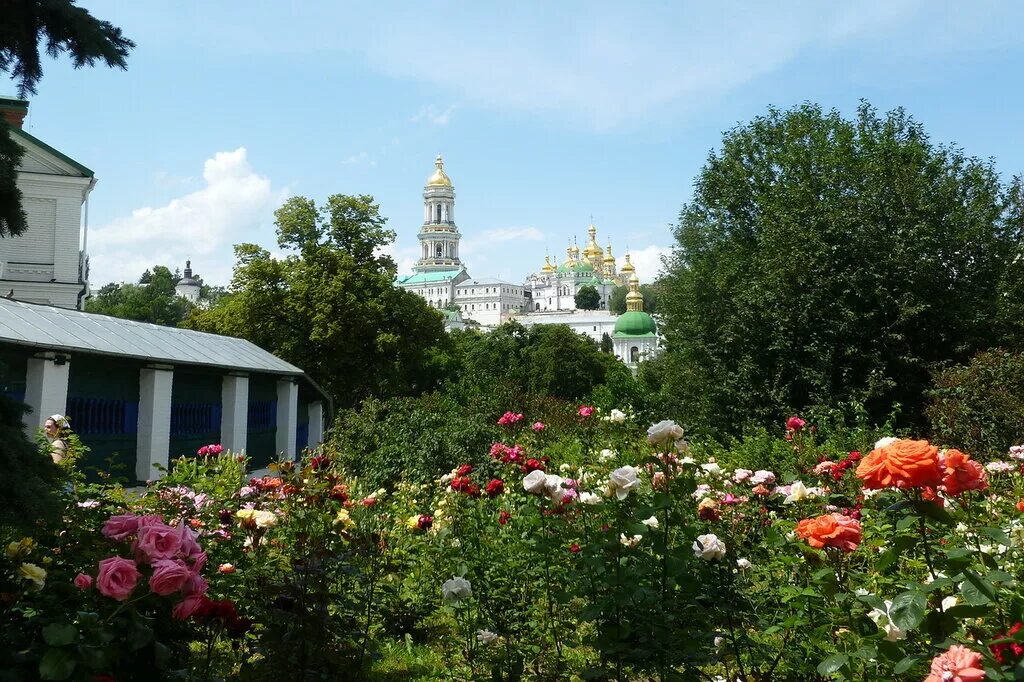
(235, 205)
(434, 115)
(648, 262)
(360, 159)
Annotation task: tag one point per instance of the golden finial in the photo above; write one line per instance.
(609, 259)
(548, 267)
(439, 178)
(634, 299)
(627, 267)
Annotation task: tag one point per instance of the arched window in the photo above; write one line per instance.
(634, 355)
(438, 213)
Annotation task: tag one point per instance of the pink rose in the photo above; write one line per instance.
(586, 410)
(187, 606)
(189, 547)
(117, 578)
(195, 585)
(538, 426)
(795, 423)
(83, 581)
(157, 542)
(169, 576)
(120, 526)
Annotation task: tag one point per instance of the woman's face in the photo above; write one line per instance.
(51, 428)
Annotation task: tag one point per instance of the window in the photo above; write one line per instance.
(634, 354)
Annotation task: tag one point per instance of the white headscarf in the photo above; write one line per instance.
(60, 420)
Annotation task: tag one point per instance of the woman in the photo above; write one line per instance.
(54, 428)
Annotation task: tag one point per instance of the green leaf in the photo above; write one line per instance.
(907, 610)
(933, 511)
(905, 665)
(59, 634)
(832, 664)
(56, 664)
(996, 534)
(976, 590)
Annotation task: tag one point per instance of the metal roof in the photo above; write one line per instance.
(60, 329)
(428, 277)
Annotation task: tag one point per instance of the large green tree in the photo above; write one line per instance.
(63, 28)
(153, 299)
(825, 260)
(330, 305)
(617, 301)
(587, 298)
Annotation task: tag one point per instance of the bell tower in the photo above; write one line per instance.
(439, 237)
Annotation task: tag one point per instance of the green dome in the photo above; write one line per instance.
(635, 323)
(580, 266)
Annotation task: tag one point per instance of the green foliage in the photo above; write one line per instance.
(65, 28)
(607, 345)
(153, 299)
(978, 407)
(587, 298)
(330, 306)
(33, 499)
(825, 261)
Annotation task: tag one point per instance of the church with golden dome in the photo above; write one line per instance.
(546, 297)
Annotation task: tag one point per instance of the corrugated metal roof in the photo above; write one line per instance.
(70, 330)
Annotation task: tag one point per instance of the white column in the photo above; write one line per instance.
(287, 417)
(234, 412)
(154, 436)
(316, 424)
(46, 389)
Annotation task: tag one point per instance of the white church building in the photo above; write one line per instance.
(47, 263)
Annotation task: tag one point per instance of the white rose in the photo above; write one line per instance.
(617, 416)
(798, 492)
(565, 467)
(719, 641)
(630, 541)
(743, 564)
(884, 621)
(455, 589)
(534, 481)
(485, 637)
(885, 442)
(553, 487)
(607, 455)
(712, 469)
(761, 476)
(741, 475)
(664, 432)
(709, 547)
(590, 498)
(622, 480)
(651, 523)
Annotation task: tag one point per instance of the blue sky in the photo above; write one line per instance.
(546, 113)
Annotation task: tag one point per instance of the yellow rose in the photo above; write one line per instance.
(413, 522)
(344, 518)
(33, 573)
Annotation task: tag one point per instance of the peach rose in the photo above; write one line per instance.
(958, 664)
(157, 542)
(831, 531)
(169, 576)
(901, 464)
(117, 578)
(960, 473)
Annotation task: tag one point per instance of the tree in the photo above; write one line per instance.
(824, 261)
(607, 345)
(66, 29)
(617, 301)
(587, 298)
(152, 300)
(330, 306)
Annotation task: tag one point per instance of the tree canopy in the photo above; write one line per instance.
(617, 301)
(153, 299)
(64, 28)
(587, 298)
(330, 305)
(823, 260)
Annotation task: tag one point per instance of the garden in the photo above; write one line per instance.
(597, 546)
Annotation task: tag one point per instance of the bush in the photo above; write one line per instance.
(34, 498)
(979, 406)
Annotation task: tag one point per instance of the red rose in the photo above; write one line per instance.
(495, 487)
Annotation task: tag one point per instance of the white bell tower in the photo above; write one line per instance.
(439, 237)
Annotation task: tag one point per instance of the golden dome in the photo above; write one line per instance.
(548, 267)
(609, 259)
(634, 299)
(439, 178)
(627, 266)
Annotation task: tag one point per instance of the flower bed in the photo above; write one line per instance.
(600, 552)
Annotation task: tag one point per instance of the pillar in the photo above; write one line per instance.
(287, 417)
(46, 389)
(234, 412)
(316, 424)
(154, 433)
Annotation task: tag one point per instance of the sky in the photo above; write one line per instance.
(548, 115)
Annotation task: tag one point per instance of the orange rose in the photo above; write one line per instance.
(961, 473)
(831, 530)
(1020, 505)
(901, 464)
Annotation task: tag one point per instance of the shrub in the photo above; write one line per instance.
(979, 406)
(34, 497)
